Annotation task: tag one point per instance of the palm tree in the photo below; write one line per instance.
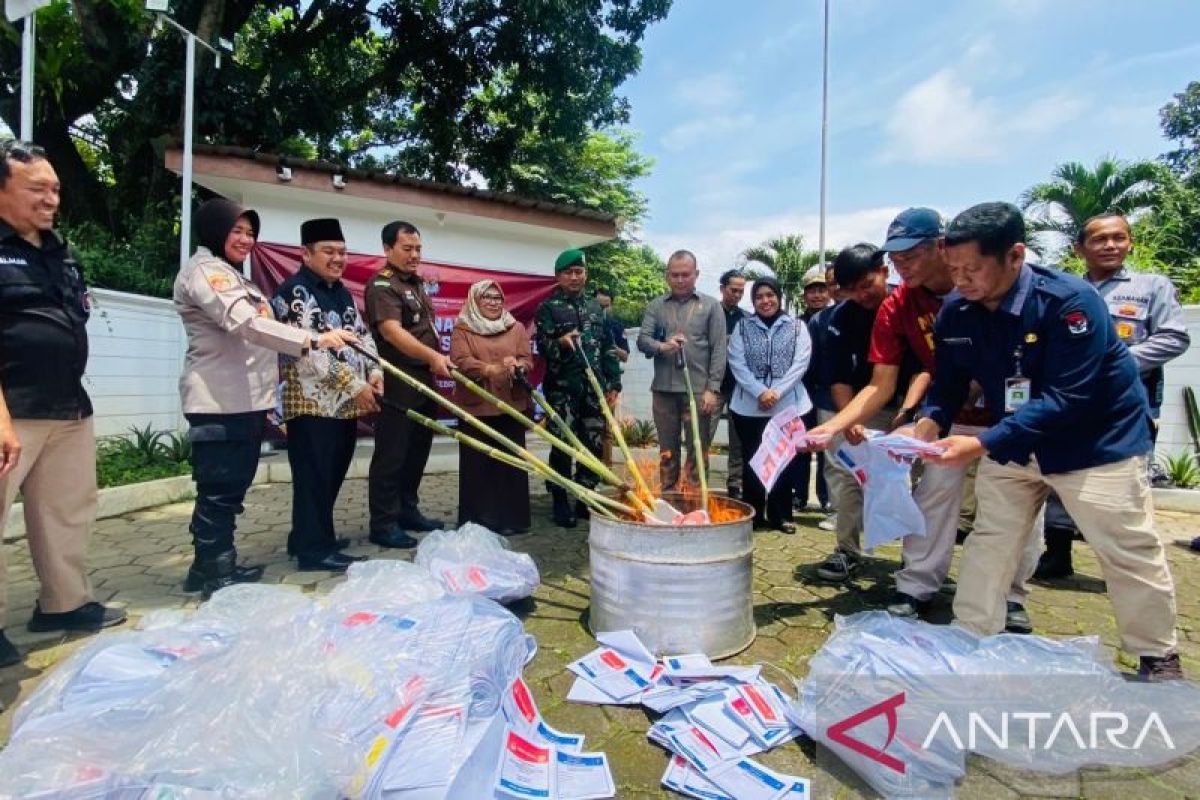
(1077, 193)
(787, 259)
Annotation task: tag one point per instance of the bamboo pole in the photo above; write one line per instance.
(618, 436)
(698, 448)
(593, 499)
(478, 424)
(578, 451)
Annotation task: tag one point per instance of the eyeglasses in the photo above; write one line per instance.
(492, 298)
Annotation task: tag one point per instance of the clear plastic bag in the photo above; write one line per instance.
(265, 692)
(474, 559)
(889, 510)
(885, 692)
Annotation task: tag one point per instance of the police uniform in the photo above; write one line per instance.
(566, 383)
(401, 445)
(43, 353)
(227, 387)
(1073, 418)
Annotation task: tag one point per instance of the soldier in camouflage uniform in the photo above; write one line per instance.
(568, 320)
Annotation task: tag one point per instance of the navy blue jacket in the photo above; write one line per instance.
(1087, 406)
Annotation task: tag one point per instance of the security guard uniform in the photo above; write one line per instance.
(228, 385)
(44, 310)
(1149, 320)
(401, 445)
(1073, 418)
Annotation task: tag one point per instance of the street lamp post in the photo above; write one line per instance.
(824, 129)
(189, 104)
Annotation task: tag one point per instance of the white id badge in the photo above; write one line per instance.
(1016, 393)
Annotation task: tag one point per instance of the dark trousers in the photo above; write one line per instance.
(777, 506)
(225, 450)
(319, 452)
(401, 453)
(804, 470)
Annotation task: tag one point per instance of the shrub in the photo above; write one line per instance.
(143, 455)
(639, 432)
(1182, 469)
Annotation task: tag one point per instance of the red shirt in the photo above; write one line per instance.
(905, 324)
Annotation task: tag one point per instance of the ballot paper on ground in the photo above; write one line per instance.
(618, 671)
(528, 769)
(522, 714)
(683, 778)
(696, 666)
(745, 779)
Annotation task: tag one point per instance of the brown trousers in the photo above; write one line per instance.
(56, 477)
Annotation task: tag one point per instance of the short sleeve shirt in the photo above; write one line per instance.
(904, 325)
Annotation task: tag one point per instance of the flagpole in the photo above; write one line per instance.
(824, 130)
(27, 40)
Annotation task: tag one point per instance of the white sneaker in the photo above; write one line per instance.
(829, 523)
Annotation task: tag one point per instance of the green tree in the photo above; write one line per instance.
(787, 259)
(1077, 192)
(1180, 122)
(632, 271)
(436, 90)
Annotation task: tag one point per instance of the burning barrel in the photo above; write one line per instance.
(682, 589)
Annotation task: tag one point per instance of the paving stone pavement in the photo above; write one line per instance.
(138, 561)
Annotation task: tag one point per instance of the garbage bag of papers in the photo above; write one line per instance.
(474, 559)
(889, 510)
(902, 702)
(387, 687)
(715, 716)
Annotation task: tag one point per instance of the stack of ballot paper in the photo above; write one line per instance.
(714, 717)
(538, 761)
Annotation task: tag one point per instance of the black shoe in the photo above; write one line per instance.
(1016, 619)
(507, 531)
(416, 521)
(839, 566)
(196, 577)
(341, 543)
(211, 573)
(397, 538)
(8, 652)
(89, 617)
(582, 511)
(904, 605)
(1051, 567)
(561, 513)
(334, 562)
(1155, 669)
(786, 527)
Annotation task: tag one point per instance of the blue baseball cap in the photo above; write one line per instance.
(911, 227)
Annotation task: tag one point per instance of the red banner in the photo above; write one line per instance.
(447, 285)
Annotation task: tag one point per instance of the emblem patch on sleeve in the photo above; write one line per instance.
(1077, 323)
(219, 281)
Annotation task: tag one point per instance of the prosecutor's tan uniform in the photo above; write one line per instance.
(224, 373)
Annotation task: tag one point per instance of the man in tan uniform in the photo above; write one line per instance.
(47, 443)
(401, 318)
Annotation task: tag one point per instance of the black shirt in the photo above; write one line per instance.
(732, 316)
(819, 376)
(44, 309)
(849, 338)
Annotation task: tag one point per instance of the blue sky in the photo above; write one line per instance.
(932, 102)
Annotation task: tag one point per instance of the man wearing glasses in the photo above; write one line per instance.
(47, 440)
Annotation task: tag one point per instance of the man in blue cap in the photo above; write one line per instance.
(1071, 415)
(903, 332)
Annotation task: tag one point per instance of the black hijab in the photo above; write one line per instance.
(215, 219)
(773, 285)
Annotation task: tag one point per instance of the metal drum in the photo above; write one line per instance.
(681, 589)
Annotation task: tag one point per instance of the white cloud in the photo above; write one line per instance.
(942, 121)
(704, 129)
(717, 248)
(714, 91)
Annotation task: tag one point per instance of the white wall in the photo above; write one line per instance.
(1173, 436)
(136, 355)
(456, 239)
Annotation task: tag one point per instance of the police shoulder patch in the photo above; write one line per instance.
(219, 281)
(385, 273)
(1077, 322)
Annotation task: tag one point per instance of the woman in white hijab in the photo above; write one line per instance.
(490, 347)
